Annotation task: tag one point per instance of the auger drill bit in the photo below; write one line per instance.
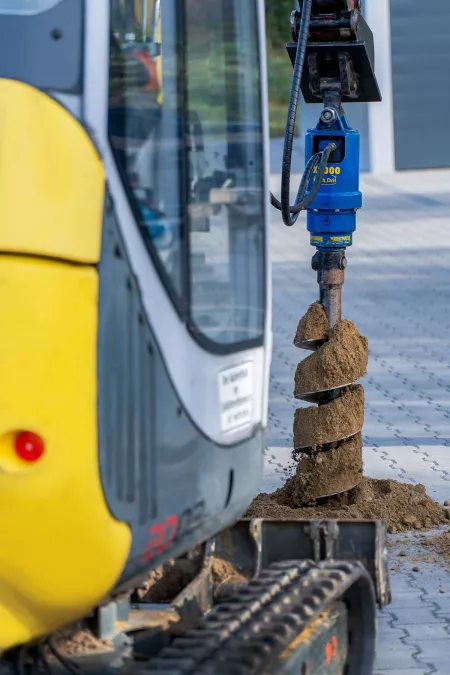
(330, 434)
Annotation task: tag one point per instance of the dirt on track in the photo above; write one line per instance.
(167, 581)
(77, 641)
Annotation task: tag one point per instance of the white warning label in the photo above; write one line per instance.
(236, 396)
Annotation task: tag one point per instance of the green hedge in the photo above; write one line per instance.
(278, 14)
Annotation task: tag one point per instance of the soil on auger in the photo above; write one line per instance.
(341, 360)
(328, 475)
(315, 426)
(313, 325)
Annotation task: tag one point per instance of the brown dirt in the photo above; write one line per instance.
(74, 641)
(327, 473)
(226, 578)
(317, 425)
(168, 580)
(314, 325)
(403, 506)
(441, 544)
(223, 572)
(341, 360)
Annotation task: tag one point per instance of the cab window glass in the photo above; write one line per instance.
(143, 125)
(226, 174)
(185, 96)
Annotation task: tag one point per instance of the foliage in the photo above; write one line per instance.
(278, 14)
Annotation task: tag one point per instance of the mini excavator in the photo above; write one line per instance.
(136, 342)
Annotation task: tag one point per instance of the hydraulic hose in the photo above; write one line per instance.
(303, 200)
(290, 212)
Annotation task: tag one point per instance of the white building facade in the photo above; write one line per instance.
(410, 129)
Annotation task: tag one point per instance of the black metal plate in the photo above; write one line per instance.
(256, 544)
(369, 91)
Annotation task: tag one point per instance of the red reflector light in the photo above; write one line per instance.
(29, 446)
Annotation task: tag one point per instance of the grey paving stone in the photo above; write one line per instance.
(397, 656)
(408, 600)
(388, 634)
(430, 631)
(420, 616)
(435, 653)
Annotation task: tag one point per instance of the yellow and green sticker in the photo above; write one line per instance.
(331, 174)
(340, 240)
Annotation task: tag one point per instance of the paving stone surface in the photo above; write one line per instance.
(397, 292)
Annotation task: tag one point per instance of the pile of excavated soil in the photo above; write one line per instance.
(343, 417)
(314, 325)
(341, 360)
(403, 506)
(326, 473)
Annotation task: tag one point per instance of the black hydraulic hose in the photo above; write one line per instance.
(309, 169)
(302, 201)
(290, 212)
(292, 113)
(323, 156)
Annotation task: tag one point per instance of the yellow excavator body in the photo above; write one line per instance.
(53, 510)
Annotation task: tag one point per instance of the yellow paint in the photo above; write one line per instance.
(330, 176)
(340, 240)
(309, 633)
(51, 178)
(61, 551)
(330, 169)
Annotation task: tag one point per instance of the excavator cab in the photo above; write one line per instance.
(135, 292)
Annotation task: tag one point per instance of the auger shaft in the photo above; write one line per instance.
(330, 267)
